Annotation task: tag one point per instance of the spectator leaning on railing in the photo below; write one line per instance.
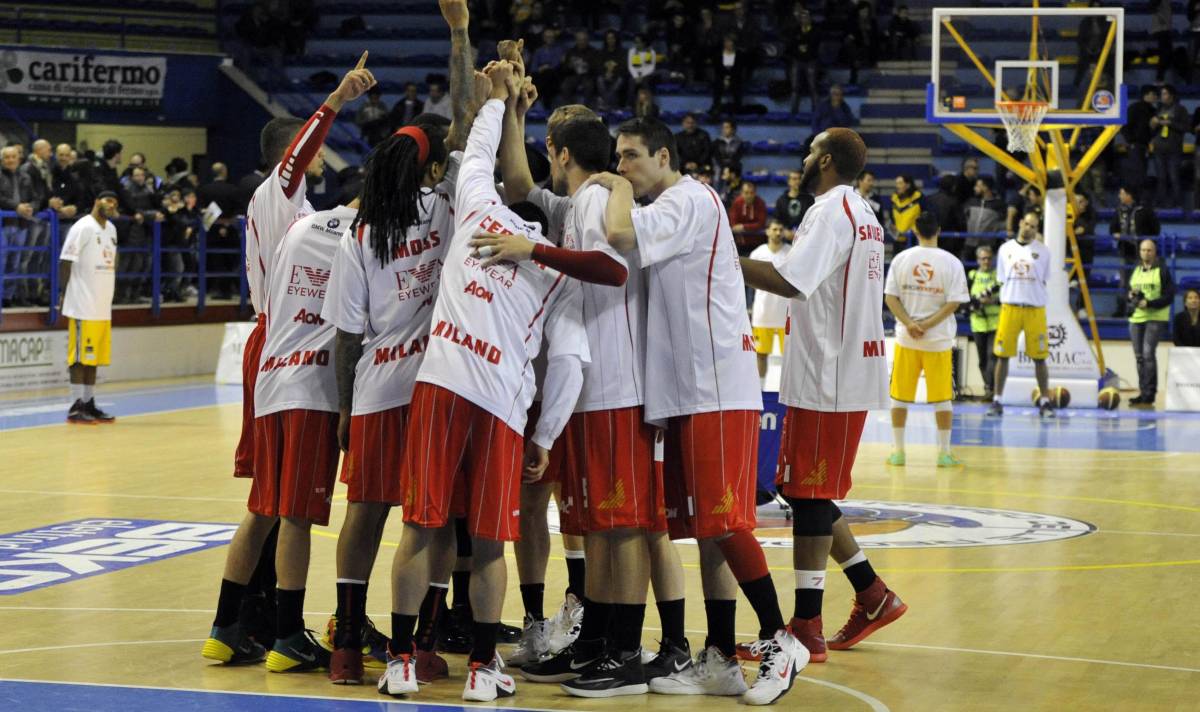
(1151, 292)
(16, 194)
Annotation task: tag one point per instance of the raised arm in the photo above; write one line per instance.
(514, 164)
(462, 63)
(476, 184)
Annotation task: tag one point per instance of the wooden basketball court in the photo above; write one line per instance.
(1075, 596)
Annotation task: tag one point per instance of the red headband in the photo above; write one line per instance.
(418, 135)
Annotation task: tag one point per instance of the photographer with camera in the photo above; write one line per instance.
(984, 309)
(1151, 291)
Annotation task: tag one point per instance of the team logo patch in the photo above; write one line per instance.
(1103, 100)
(923, 273)
(59, 553)
(315, 276)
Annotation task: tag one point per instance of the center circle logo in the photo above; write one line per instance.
(918, 525)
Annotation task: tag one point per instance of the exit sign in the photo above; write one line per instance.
(75, 113)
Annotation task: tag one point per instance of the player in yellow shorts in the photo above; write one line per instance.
(924, 287)
(1022, 269)
(768, 316)
(87, 271)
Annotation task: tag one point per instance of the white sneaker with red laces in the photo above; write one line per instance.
(400, 678)
(783, 656)
(487, 682)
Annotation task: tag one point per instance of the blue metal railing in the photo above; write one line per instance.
(153, 273)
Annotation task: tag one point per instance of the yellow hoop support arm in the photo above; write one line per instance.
(1096, 74)
(996, 154)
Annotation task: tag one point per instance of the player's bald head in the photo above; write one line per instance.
(847, 149)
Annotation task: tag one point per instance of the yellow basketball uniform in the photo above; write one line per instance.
(764, 339)
(907, 365)
(1013, 320)
(88, 342)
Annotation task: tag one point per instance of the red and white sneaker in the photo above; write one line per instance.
(487, 682)
(400, 678)
(808, 631)
(346, 667)
(874, 608)
(430, 667)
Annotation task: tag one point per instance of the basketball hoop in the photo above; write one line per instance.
(1021, 120)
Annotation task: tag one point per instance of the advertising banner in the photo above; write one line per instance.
(77, 79)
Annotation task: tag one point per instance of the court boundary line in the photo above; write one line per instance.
(168, 411)
(917, 646)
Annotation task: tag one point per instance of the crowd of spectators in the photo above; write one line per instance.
(41, 179)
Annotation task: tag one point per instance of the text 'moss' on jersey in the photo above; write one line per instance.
(488, 323)
(296, 367)
(699, 347)
(390, 304)
(834, 360)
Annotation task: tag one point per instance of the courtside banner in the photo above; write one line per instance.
(33, 359)
(78, 79)
(1183, 378)
(60, 553)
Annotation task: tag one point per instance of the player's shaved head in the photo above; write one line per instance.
(276, 136)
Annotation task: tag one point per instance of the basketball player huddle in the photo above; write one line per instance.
(470, 348)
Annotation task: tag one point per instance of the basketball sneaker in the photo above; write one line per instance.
(946, 459)
(487, 682)
(612, 677)
(231, 646)
(99, 415)
(995, 410)
(567, 664)
(430, 667)
(671, 658)
(400, 677)
(811, 635)
(896, 458)
(455, 635)
(345, 667)
(1045, 410)
(783, 656)
(508, 634)
(565, 625)
(534, 643)
(374, 643)
(80, 415)
(874, 608)
(299, 652)
(711, 674)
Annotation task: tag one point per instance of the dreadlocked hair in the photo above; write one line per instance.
(390, 201)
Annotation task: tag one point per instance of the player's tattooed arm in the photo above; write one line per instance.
(463, 103)
(348, 348)
(761, 274)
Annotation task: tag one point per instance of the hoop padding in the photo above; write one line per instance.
(1022, 120)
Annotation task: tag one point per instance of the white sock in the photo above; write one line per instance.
(898, 439)
(89, 392)
(810, 579)
(996, 396)
(76, 392)
(858, 558)
(943, 440)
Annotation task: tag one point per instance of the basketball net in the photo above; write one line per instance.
(1021, 120)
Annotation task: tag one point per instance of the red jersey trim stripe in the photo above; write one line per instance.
(712, 258)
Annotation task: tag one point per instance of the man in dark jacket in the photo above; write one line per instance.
(791, 206)
(1130, 223)
(105, 172)
(694, 145)
(16, 194)
(140, 202)
(1151, 291)
(37, 167)
(833, 112)
(1137, 133)
(949, 211)
(1169, 123)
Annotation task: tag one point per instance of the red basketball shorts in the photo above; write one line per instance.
(610, 481)
(371, 468)
(553, 473)
(710, 473)
(295, 464)
(460, 460)
(816, 453)
(243, 457)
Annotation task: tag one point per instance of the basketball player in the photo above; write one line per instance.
(925, 286)
(296, 446)
(833, 373)
(385, 278)
(463, 450)
(295, 149)
(701, 380)
(769, 313)
(1022, 268)
(611, 484)
(87, 271)
(384, 281)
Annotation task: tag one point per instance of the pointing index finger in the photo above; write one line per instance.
(362, 61)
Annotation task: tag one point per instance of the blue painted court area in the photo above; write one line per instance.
(74, 697)
(37, 412)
